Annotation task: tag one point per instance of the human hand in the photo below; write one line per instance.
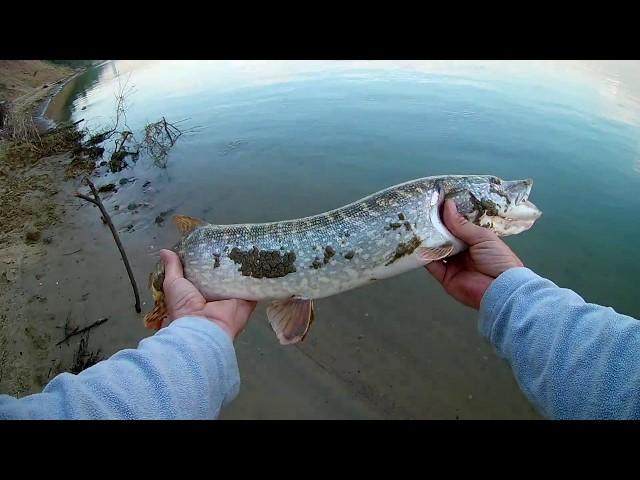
(467, 275)
(182, 299)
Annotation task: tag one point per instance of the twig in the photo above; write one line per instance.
(71, 253)
(88, 199)
(82, 330)
(114, 232)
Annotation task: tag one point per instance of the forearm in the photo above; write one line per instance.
(572, 359)
(185, 371)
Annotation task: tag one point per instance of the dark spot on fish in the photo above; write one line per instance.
(373, 279)
(404, 249)
(489, 208)
(393, 226)
(316, 264)
(346, 234)
(328, 253)
(349, 255)
(401, 216)
(216, 260)
(263, 263)
(407, 226)
(484, 206)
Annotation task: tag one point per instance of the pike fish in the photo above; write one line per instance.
(293, 262)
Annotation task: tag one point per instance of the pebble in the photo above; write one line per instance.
(109, 187)
(32, 234)
(10, 275)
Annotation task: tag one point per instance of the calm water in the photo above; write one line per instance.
(280, 140)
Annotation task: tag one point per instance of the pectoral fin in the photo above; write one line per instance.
(291, 319)
(431, 254)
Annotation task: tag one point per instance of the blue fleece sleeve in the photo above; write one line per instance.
(187, 370)
(572, 359)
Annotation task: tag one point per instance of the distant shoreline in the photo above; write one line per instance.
(40, 117)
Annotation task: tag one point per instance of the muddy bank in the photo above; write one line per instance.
(38, 209)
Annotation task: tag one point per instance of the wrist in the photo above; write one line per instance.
(231, 332)
(228, 329)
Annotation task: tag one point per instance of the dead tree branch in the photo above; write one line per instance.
(96, 201)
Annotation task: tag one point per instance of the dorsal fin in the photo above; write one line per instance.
(187, 224)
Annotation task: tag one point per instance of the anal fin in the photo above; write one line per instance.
(291, 319)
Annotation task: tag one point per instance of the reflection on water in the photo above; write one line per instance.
(61, 106)
(282, 139)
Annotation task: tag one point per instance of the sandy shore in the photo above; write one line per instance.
(35, 210)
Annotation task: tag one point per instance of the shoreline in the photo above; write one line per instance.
(41, 106)
(38, 194)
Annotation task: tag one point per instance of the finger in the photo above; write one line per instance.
(462, 228)
(172, 266)
(437, 269)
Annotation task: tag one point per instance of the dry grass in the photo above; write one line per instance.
(26, 155)
(21, 144)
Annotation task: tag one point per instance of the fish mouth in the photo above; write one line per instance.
(521, 214)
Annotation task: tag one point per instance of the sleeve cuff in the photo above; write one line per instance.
(221, 339)
(497, 295)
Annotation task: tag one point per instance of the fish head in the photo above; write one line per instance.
(500, 205)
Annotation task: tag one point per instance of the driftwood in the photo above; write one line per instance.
(97, 202)
(77, 331)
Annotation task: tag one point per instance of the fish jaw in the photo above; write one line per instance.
(517, 218)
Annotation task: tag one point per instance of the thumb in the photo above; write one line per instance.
(462, 228)
(172, 266)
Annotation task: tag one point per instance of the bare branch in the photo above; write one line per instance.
(82, 330)
(88, 199)
(116, 237)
